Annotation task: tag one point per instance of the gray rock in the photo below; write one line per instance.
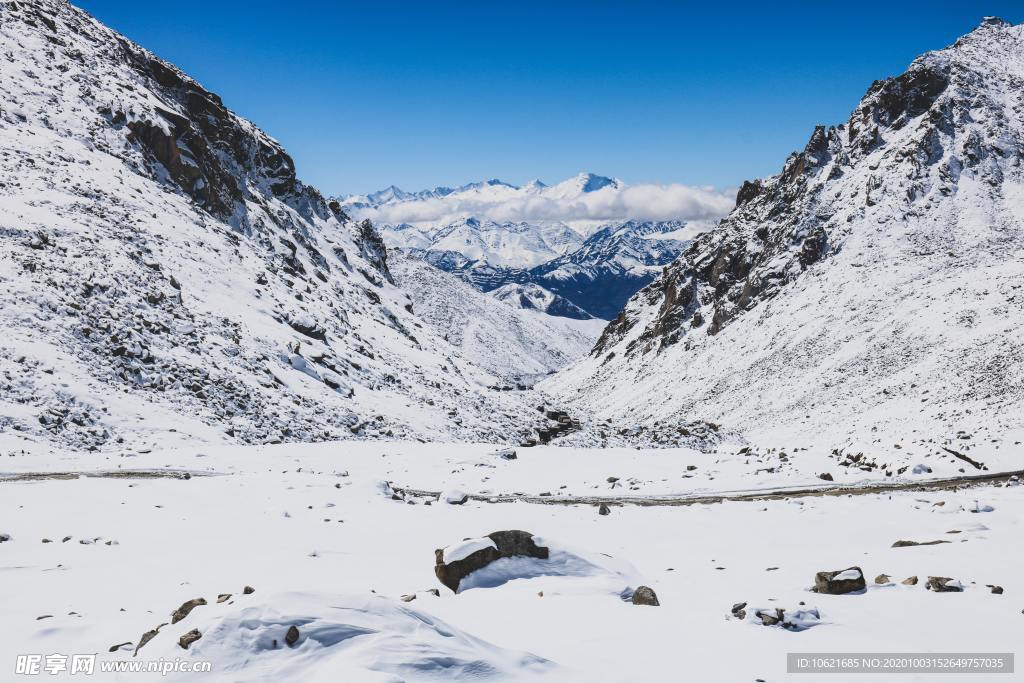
(292, 636)
(603, 510)
(189, 638)
(943, 584)
(645, 595)
(826, 582)
(185, 608)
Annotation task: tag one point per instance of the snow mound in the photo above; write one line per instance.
(567, 571)
(348, 637)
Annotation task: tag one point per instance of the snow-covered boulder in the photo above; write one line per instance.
(456, 562)
(840, 582)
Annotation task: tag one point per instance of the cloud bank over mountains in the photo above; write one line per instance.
(585, 197)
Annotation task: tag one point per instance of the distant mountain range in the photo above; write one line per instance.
(593, 265)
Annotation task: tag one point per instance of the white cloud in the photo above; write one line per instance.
(643, 202)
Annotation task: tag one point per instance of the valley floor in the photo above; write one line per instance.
(323, 535)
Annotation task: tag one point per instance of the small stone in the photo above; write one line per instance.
(223, 597)
(825, 476)
(645, 595)
(115, 648)
(603, 510)
(738, 607)
(189, 638)
(292, 636)
(909, 581)
(996, 590)
(409, 598)
(882, 579)
(248, 590)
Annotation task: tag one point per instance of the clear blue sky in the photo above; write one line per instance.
(368, 94)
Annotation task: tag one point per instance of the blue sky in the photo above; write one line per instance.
(368, 94)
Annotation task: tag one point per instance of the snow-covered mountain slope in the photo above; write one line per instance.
(871, 290)
(514, 343)
(164, 274)
(536, 298)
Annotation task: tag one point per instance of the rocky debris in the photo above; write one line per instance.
(944, 584)
(189, 638)
(453, 497)
(291, 636)
(119, 646)
(840, 582)
(248, 590)
(603, 509)
(882, 579)
(146, 637)
(909, 581)
(771, 617)
(505, 544)
(645, 595)
(223, 597)
(739, 610)
(825, 476)
(911, 544)
(186, 608)
(996, 590)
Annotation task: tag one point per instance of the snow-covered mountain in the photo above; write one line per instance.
(164, 274)
(535, 298)
(516, 343)
(871, 290)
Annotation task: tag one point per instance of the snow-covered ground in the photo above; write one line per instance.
(330, 548)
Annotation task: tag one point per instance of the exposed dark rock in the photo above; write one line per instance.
(292, 635)
(146, 637)
(603, 509)
(909, 581)
(840, 582)
(186, 608)
(189, 638)
(645, 595)
(882, 579)
(248, 590)
(911, 544)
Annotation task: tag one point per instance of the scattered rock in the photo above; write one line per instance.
(506, 454)
(739, 610)
(292, 636)
(910, 544)
(996, 590)
(4, 538)
(944, 584)
(189, 638)
(882, 579)
(506, 544)
(115, 648)
(223, 597)
(44, 616)
(248, 590)
(409, 598)
(603, 509)
(433, 591)
(770, 618)
(826, 476)
(146, 637)
(909, 581)
(185, 608)
(645, 595)
(840, 582)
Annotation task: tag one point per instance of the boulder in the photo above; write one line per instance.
(189, 638)
(645, 595)
(185, 608)
(502, 544)
(840, 582)
(944, 584)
